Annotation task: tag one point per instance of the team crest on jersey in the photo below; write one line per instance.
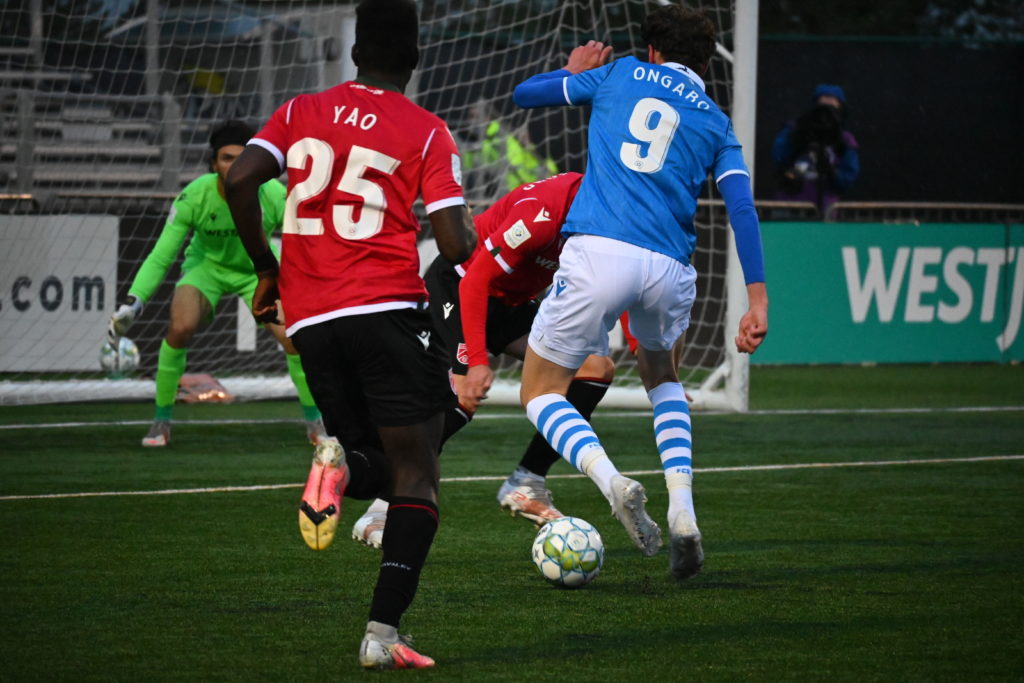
(457, 168)
(462, 354)
(517, 234)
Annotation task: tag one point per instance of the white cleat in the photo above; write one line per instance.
(687, 558)
(524, 494)
(159, 434)
(369, 529)
(627, 501)
(383, 648)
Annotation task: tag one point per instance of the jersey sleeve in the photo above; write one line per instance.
(580, 88)
(273, 137)
(526, 231)
(474, 290)
(441, 182)
(729, 159)
(165, 251)
(543, 90)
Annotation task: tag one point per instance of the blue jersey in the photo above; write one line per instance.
(654, 136)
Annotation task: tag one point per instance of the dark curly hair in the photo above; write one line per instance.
(681, 34)
(387, 34)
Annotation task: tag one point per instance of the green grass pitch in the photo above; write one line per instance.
(897, 557)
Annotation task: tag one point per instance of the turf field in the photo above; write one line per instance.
(848, 537)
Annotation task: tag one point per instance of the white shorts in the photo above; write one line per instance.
(599, 278)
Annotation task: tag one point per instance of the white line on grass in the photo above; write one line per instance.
(521, 415)
(453, 480)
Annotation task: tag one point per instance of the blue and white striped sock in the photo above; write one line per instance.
(675, 443)
(568, 433)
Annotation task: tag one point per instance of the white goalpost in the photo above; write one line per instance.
(106, 108)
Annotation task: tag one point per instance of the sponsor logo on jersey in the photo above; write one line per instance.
(424, 338)
(447, 308)
(457, 168)
(559, 287)
(550, 264)
(542, 216)
(517, 234)
(462, 354)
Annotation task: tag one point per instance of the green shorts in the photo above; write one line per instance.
(214, 281)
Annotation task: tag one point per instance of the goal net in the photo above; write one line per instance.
(106, 107)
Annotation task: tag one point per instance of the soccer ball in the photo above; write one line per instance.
(120, 361)
(568, 551)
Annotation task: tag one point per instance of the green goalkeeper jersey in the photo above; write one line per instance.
(201, 210)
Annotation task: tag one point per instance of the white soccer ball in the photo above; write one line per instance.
(120, 361)
(568, 551)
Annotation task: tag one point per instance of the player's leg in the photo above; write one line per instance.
(525, 491)
(352, 455)
(406, 389)
(189, 308)
(310, 413)
(659, 324)
(592, 287)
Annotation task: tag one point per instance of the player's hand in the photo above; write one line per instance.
(475, 386)
(264, 299)
(589, 56)
(122, 319)
(753, 328)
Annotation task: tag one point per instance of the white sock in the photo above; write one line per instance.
(572, 437)
(672, 433)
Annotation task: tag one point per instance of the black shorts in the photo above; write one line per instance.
(383, 369)
(505, 324)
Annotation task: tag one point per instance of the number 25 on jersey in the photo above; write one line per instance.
(318, 156)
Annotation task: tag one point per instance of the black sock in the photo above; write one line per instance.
(584, 395)
(370, 475)
(455, 419)
(412, 523)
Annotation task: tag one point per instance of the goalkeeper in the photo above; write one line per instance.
(215, 264)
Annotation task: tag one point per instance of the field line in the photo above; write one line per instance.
(521, 415)
(495, 478)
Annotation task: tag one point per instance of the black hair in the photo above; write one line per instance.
(387, 35)
(681, 34)
(233, 132)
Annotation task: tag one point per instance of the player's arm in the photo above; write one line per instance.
(153, 270)
(254, 167)
(739, 202)
(474, 291)
(453, 232)
(551, 88)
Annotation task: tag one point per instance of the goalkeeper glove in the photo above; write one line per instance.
(123, 318)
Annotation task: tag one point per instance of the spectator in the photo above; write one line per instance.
(817, 158)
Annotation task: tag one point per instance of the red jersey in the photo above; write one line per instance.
(357, 157)
(518, 245)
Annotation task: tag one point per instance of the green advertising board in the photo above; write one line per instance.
(865, 292)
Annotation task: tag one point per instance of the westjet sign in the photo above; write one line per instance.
(893, 293)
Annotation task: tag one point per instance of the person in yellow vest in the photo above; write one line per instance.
(519, 160)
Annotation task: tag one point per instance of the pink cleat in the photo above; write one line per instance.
(321, 499)
(383, 648)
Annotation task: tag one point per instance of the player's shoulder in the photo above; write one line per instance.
(198, 188)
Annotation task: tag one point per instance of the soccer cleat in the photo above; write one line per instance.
(321, 499)
(525, 495)
(687, 558)
(369, 529)
(159, 434)
(627, 500)
(383, 648)
(315, 431)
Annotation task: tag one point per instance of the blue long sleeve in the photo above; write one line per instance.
(542, 90)
(739, 202)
